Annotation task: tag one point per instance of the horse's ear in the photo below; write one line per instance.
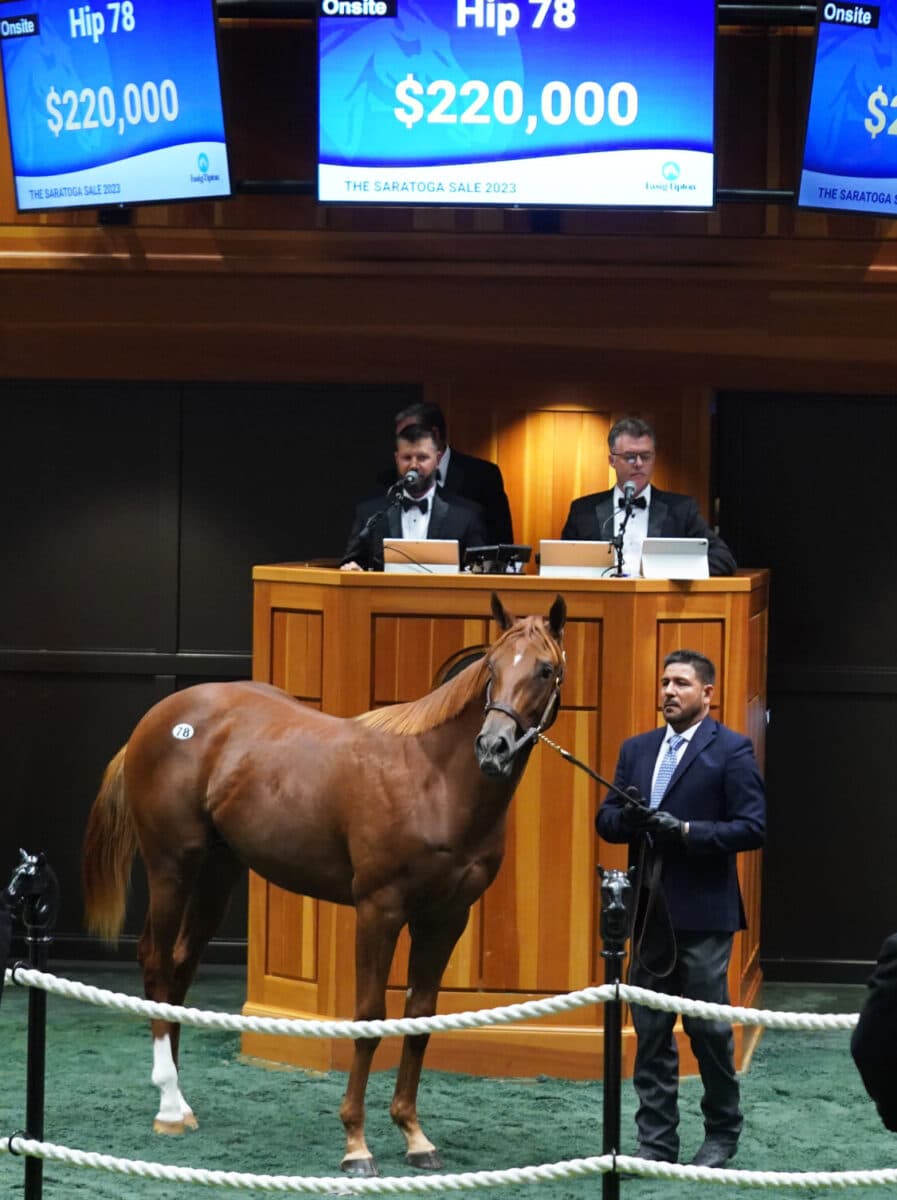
(557, 617)
(503, 619)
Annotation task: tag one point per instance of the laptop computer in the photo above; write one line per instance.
(576, 560)
(675, 558)
(427, 556)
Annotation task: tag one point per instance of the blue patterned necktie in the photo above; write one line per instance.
(665, 772)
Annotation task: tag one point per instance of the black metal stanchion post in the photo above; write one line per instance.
(35, 887)
(616, 906)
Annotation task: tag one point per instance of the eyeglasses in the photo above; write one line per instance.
(643, 456)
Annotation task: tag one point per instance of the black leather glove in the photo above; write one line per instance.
(635, 814)
(666, 829)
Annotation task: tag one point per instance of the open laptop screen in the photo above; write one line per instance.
(427, 556)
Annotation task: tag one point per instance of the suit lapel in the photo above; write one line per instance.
(704, 735)
(646, 767)
(604, 513)
(440, 516)
(394, 521)
(657, 514)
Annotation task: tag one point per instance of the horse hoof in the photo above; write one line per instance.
(175, 1128)
(362, 1167)
(426, 1160)
(171, 1128)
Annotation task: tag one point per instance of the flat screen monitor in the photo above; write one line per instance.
(113, 103)
(517, 102)
(850, 145)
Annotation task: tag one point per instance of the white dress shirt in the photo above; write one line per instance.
(636, 530)
(415, 524)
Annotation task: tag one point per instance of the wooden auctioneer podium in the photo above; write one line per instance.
(347, 642)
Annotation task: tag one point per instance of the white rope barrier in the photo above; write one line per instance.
(575, 1168)
(400, 1026)
(471, 1180)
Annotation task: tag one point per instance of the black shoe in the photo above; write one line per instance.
(714, 1153)
(652, 1154)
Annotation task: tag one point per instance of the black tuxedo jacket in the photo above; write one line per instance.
(479, 480)
(452, 517)
(718, 790)
(669, 515)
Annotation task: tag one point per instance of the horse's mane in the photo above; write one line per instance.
(452, 697)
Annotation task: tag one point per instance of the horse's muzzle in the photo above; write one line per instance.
(495, 751)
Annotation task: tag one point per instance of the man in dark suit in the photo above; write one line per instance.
(599, 516)
(706, 803)
(463, 475)
(418, 510)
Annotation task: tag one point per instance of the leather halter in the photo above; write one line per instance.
(545, 721)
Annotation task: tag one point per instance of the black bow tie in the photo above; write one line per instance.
(407, 503)
(637, 502)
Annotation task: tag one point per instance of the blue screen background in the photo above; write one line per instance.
(172, 39)
(665, 50)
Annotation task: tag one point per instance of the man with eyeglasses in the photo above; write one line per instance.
(599, 517)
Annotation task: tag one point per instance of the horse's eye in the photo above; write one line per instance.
(545, 670)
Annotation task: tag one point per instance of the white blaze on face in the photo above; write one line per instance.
(517, 657)
(172, 1105)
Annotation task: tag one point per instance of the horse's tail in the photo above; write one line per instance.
(110, 844)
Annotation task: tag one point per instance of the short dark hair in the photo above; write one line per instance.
(416, 433)
(703, 666)
(633, 427)
(423, 412)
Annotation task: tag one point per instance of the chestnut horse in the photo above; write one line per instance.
(399, 812)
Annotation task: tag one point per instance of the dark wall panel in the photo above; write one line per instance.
(57, 732)
(270, 474)
(134, 516)
(800, 493)
(83, 487)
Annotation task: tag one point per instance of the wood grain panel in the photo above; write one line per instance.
(297, 647)
(409, 650)
(583, 649)
(292, 951)
(537, 916)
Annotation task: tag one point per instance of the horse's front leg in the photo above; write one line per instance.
(431, 947)
(380, 919)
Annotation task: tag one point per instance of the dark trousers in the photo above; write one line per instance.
(700, 973)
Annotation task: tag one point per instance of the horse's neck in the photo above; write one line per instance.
(452, 746)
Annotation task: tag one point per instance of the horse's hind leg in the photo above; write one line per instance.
(431, 948)
(187, 903)
(376, 933)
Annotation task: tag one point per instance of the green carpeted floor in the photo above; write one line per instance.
(804, 1104)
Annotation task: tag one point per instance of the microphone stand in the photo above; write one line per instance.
(617, 542)
(394, 497)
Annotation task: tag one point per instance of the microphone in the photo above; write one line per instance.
(628, 496)
(408, 480)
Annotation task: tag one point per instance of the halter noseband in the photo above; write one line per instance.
(531, 734)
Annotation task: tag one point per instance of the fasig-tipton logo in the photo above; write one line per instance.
(15, 27)
(204, 176)
(358, 8)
